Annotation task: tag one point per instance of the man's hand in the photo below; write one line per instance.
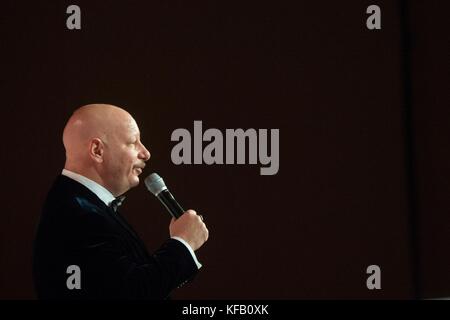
(190, 228)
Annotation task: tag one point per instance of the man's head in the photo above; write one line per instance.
(103, 143)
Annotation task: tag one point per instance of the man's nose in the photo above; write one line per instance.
(144, 154)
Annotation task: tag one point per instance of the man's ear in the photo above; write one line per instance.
(96, 148)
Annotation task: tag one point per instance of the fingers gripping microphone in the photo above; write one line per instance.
(155, 184)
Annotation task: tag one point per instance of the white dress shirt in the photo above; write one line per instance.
(107, 197)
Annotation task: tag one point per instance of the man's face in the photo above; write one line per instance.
(124, 157)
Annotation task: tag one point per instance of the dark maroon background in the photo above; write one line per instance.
(359, 183)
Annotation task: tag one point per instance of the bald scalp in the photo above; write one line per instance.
(91, 121)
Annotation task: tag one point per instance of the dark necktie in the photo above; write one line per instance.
(116, 203)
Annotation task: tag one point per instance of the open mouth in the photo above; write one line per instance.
(138, 170)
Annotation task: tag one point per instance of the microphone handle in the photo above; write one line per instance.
(170, 203)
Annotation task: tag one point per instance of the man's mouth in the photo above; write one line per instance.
(138, 170)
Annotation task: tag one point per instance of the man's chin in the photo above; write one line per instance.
(134, 182)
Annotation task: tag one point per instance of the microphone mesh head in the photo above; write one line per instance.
(155, 184)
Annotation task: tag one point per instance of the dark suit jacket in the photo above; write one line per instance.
(77, 228)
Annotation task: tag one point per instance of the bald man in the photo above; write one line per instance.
(84, 248)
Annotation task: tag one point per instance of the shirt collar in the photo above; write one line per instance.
(100, 191)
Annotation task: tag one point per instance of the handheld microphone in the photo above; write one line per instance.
(155, 184)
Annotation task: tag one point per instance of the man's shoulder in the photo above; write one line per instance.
(71, 212)
(67, 195)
